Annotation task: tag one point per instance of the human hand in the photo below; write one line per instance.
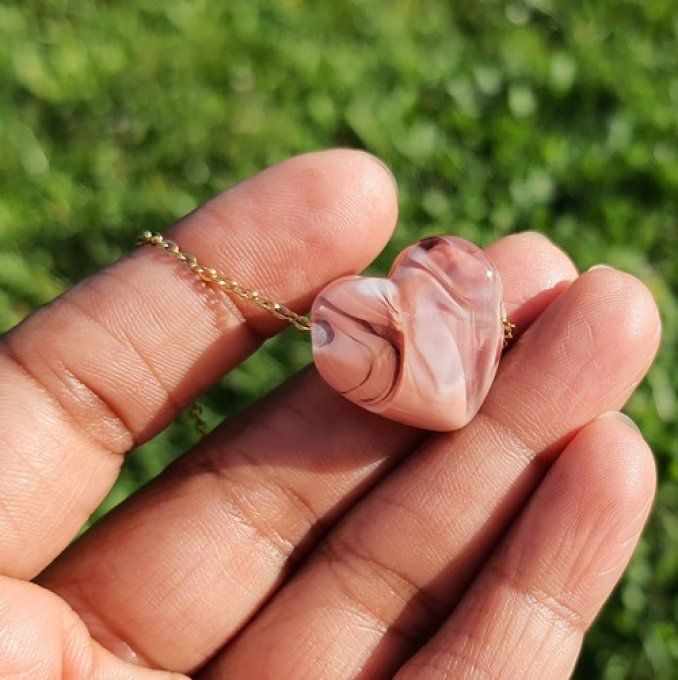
(307, 537)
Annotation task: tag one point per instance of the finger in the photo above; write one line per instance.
(41, 637)
(526, 613)
(224, 524)
(113, 361)
(394, 568)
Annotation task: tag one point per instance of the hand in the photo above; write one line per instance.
(306, 538)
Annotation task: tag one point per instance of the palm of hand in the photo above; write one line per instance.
(307, 538)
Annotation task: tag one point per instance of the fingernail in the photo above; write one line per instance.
(599, 266)
(622, 417)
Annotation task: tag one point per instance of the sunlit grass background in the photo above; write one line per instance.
(494, 116)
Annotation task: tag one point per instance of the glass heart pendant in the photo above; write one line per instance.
(421, 346)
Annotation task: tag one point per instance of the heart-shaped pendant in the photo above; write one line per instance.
(421, 346)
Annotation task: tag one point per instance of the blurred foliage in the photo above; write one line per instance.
(495, 117)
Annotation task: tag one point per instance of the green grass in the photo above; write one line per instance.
(495, 117)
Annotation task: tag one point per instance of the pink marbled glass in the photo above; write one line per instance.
(422, 346)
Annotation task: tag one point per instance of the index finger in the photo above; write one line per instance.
(114, 360)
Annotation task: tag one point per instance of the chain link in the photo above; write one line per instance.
(195, 413)
(508, 327)
(211, 275)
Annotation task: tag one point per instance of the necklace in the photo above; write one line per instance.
(421, 346)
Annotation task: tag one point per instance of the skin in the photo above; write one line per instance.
(307, 538)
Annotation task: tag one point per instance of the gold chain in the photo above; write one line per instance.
(211, 275)
(508, 327)
(196, 415)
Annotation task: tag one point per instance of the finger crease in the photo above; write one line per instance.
(68, 379)
(302, 507)
(420, 609)
(235, 495)
(508, 437)
(175, 408)
(553, 605)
